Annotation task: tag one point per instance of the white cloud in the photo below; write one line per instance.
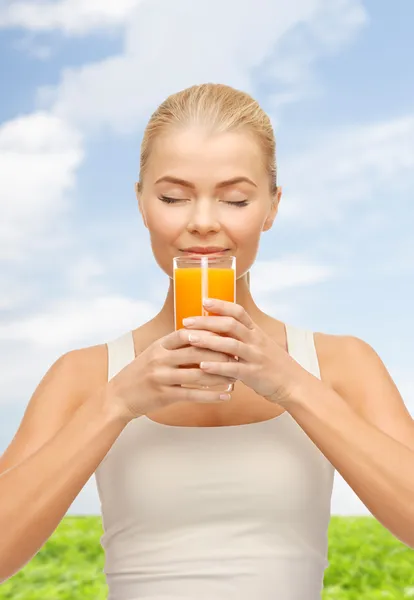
(348, 168)
(75, 321)
(268, 276)
(39, 155)
(29, 44)
(15, 291)
(83, 276)
(73, 17)
(172, 45)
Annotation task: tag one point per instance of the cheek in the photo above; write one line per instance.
(163, 225)
(246, 227)
(163, 234)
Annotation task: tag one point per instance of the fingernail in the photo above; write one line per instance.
(188, 321)
(225, 396)
(193, 338)
(205, 365)
(208, 302)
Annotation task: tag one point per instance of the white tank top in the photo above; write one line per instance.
(239, 512)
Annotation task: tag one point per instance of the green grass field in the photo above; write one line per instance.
(366, 563)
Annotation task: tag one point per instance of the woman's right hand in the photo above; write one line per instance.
(153, 379)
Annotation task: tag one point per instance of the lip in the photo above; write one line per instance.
(205, 250)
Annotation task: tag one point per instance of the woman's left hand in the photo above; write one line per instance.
(262, 364)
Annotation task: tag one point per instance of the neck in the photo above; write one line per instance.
(165, 318)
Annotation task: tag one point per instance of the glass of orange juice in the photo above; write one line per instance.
(197, 277)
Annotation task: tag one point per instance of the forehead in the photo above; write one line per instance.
(194, 152)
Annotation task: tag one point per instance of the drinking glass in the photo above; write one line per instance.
(199, 277)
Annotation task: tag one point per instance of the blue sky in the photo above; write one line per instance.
(78, 83)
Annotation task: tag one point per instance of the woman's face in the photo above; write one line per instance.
(201, 189)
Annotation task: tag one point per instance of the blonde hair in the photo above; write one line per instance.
(219, 108)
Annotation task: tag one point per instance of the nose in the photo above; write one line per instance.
(203, 219)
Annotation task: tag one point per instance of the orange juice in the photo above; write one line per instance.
(196, 278)
(192, 284)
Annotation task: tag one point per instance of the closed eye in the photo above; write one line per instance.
(169, 200)
(239, 203)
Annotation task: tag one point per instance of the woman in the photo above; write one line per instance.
(203, 497)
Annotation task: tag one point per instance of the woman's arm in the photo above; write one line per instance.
(36, 493)
(365, 431)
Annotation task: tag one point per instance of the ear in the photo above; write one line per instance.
(139, 198)
(273, 211)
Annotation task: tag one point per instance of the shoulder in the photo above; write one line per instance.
(85, 368)
(347, 363)
(341, 347)
(88, 367)
(361, 378)
(337, 352)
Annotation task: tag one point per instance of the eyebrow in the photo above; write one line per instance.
(222, 184)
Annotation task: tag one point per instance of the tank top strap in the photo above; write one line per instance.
(120, 353)
(301, 346)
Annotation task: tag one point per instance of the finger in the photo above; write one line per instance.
(234, 370)
(195, 395)
(219, 344)
(229, 309)
(221, 325)
(190, 355)
(195, 376)
(176, 339)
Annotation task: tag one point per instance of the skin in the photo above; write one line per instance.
(202, 216)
